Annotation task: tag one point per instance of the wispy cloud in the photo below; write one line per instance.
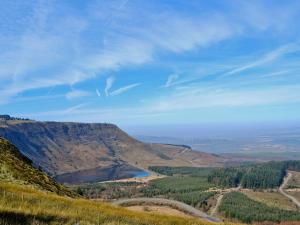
(277, 73)
(109, 82)
(77, 94)
(197, 98)
(267, 58)
(192, 98)
(171, 79)
(55, 49)
(124, 89)
(51, 44)
(98, 93)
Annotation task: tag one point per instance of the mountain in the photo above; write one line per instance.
(17, 169)
(91, 152)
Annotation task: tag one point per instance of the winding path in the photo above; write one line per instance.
(220, 198)
(171, 203)
(284, 183)
(216, 207)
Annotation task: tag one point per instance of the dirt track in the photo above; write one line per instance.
(220, 198)
(171, 203)
(284, 183)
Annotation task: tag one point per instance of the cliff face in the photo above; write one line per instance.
(93, 152)
(65, 147)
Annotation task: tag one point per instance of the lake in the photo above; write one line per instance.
(141, 174)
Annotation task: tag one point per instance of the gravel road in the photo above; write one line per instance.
(172, 203)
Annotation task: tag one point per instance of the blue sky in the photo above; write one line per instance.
(135, 62)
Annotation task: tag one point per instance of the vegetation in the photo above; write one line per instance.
(196, 199)
(109, 190)
(16, 168)
(28, 196)
(269, 175)
(227, 177)
(294, 182)
(271, 198)
(19, 205)
(177, 184)
(260, 176)
(191, 171)
(189, 190)
(239, 206)
(8, 117)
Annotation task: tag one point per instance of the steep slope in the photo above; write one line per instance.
(94, 152)
(17, 169)
(30, 207)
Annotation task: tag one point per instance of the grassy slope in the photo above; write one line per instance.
(19, 205)
(16, 168)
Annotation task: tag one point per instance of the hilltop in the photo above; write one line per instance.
(91, 152)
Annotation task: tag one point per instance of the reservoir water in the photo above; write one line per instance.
(141, 174)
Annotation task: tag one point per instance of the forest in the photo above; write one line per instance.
(239, 206)
(190, 171)
(187, 189)
(259, 176)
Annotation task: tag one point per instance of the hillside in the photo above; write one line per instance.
(17, 169)
(94, 152)
(18, 205)
(28, 196)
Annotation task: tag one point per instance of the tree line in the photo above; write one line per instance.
(239, 206)
(258, 176)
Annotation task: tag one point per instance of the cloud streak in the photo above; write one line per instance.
(77, 94)
(124, 89)
(109, 82)
(55, 49)
(98, 93)
(171, 79)
(267, 58)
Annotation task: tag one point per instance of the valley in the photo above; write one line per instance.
(94, 152)
(103, 167)
(28, 196)
(207, 190)
(160, 112)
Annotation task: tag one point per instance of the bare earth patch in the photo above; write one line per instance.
(152, 176)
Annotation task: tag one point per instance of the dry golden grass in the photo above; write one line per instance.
(23, 205)
(16, 168)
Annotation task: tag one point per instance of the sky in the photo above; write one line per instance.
(138, 62)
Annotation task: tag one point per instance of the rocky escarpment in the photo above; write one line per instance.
(94, 151)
